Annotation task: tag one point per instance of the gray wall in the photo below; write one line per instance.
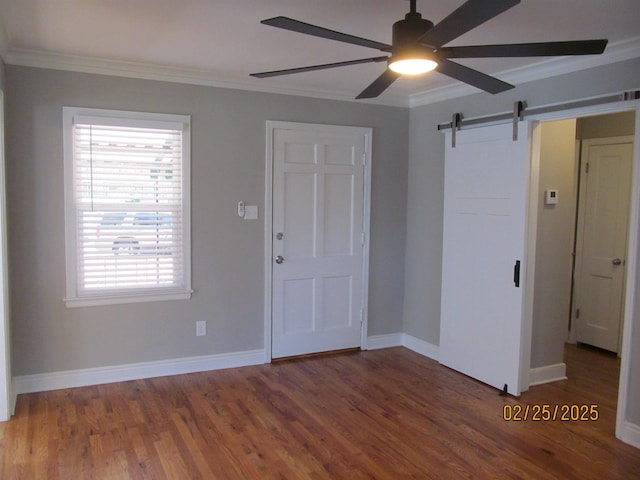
(228, 157)
(425, 194)
(554, 243)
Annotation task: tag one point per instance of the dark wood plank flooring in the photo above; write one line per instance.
(385, 414)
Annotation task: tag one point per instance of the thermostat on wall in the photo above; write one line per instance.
(551, 197)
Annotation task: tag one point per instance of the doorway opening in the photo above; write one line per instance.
(581, 242)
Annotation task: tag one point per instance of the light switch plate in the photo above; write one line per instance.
(250, 212)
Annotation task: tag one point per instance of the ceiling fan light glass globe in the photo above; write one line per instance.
(413, 66)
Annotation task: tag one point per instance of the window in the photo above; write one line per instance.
(127, 206)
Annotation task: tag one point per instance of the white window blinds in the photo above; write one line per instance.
(129, 217)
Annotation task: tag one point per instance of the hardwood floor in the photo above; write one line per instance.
(383, 414)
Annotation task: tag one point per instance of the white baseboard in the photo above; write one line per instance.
(629, 433)
(403, 340)
(377, 342)
(121, 373)
(547, 374)
(13, 398)
(420, 346)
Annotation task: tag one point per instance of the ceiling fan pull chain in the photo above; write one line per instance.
(518, 115)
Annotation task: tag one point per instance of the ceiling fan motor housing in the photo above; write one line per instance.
(409, 30)
(405, 39)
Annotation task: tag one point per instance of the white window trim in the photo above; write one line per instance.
(73, 299)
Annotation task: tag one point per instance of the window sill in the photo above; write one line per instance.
(98, 300)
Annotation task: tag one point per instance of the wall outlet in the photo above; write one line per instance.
(201, 328)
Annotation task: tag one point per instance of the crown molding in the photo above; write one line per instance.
(616, 52)
(209, 78)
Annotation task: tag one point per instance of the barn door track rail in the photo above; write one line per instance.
(520, 111)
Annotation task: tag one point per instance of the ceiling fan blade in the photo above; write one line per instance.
(543, 49)
(379, 85)
(289, 71)
(308, 29)
(472, 77)
(468, 16)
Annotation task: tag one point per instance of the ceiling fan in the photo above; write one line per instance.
(417, 47)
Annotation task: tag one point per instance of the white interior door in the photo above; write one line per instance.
(318, 238)
(485, 213)
(604, 213)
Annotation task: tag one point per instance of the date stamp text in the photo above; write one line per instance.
(549, 413)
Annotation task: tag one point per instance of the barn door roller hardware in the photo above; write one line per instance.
(455, 126)
(518, 115)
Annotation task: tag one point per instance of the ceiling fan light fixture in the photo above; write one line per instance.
(413, 66)
(413, 62)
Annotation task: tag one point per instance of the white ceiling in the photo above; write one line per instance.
(219, 42)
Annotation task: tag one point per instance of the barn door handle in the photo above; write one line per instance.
(516, 274)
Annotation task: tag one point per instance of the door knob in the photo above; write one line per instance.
(616, 261)
(279, 259)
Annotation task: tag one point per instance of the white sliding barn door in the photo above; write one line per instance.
(483, 271)
(318, 249)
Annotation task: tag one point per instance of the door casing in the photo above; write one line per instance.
(7, 392)
(271, 126)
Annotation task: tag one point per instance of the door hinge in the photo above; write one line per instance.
(586, 168)
(361, 316)
(363, 239)
(577, 313)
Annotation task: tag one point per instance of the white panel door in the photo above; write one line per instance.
(606, 186)
(318, 225)
(485, 210)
